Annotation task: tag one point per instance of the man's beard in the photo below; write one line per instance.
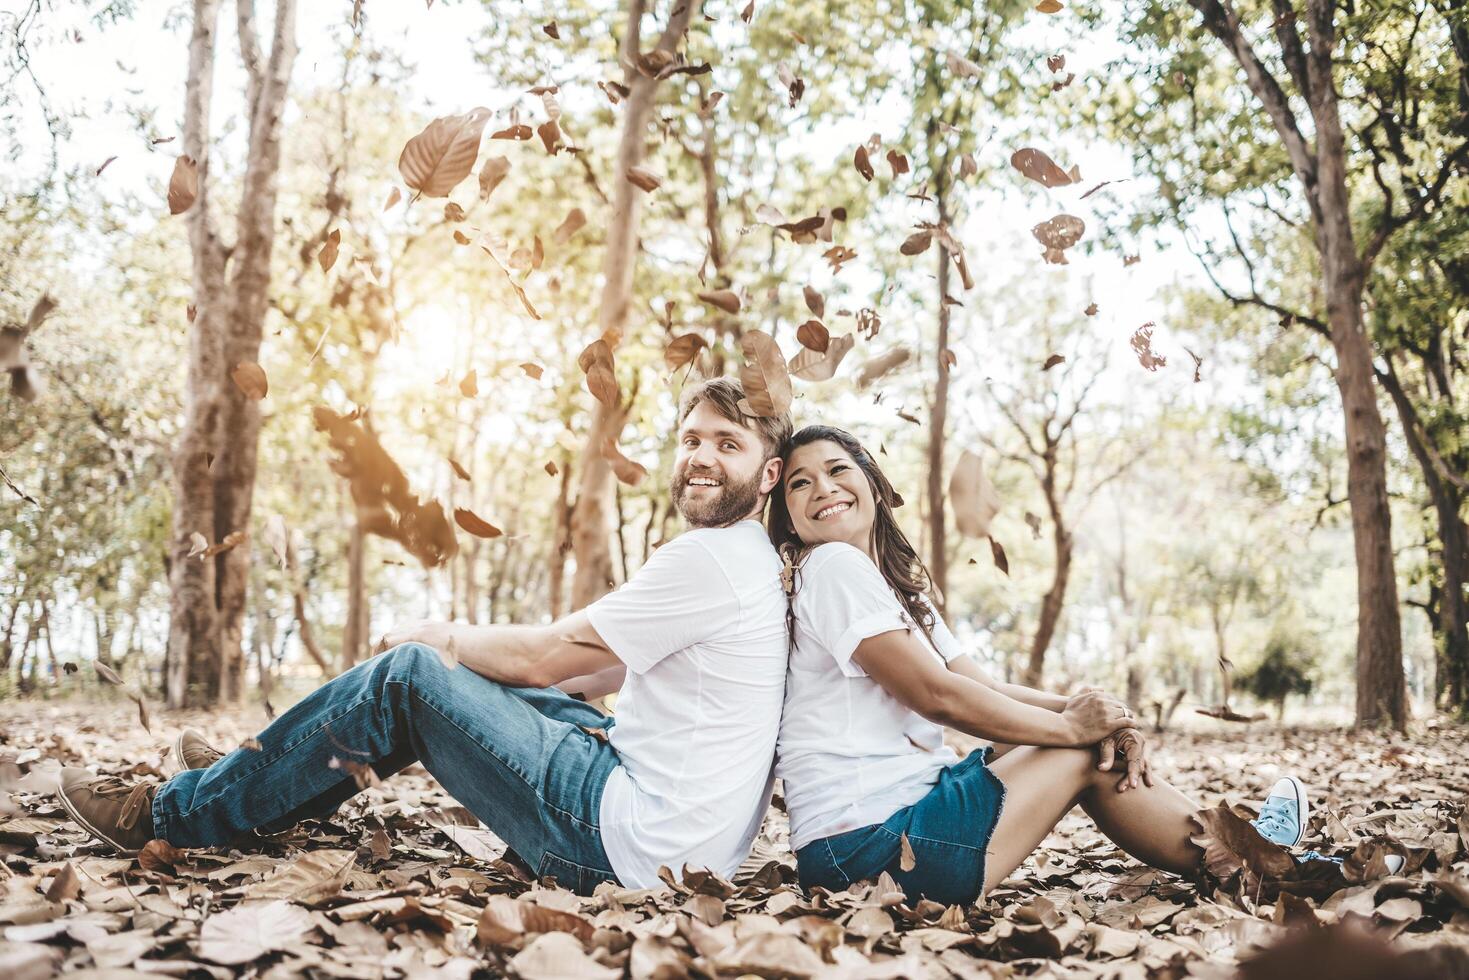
(735, 500)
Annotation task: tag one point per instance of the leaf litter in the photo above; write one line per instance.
(402, 879)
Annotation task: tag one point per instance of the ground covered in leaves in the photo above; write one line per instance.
(405, 883)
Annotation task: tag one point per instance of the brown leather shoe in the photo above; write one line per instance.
(108, 808)
(190, 751)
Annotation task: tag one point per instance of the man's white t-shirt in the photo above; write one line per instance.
(702, 630)
(850, 754)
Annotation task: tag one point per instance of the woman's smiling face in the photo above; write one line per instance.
(828, 496)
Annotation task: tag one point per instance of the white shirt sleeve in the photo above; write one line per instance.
(842, 599)
(681, 596)
(944, 640)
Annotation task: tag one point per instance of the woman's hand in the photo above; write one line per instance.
(1093, 715)
(1130, 744)
(440, 636)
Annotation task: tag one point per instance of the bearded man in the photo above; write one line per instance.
(681, 775)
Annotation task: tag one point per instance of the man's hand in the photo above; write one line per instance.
(440, 636)
(1130, 744)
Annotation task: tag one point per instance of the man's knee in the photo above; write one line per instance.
(414, 663)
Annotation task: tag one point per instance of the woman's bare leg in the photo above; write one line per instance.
(1152, 823)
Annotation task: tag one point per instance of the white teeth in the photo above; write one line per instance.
(826, 512)
(702, 481)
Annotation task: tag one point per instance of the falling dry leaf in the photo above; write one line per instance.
(250, 378)
(475, 524)
(917, 243)
(764, 376)
(682, 350)
(596, 363)
(1055, 62)
(550, 468)
(394, 196)
(810, 365)
(1142, 346)
(106, 673)
(883, 365)
(898, 162)
(532, 370)
(1198, 363)
(962, 66)
(998, 553)
(552, 31)
(627, 471)
(1091, 309)
(1041, 168)
(863, 164)
(643, 179)
(469, 384)
(815, 302)
(907, 861)
(183, 186)
(105, 164)
(813, 335)
(972, 496)
(1057, 235)
(327, 257)
(459, 470)
(573, 223)
(1050, 6)
(1052, 361)
(278, 538)
(229, 542)
(437, 159)
(197, 544)
(725, 299)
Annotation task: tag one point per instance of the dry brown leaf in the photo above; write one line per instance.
(596, 363)
(160, 855)
(863, 163)
(228, 543)
(1057, 235)
(962, 66)
(559, 956)
(643, 179)
(311, 878)
(627, 471)
(532, 370)
(764, 376)
(917, 243)
(898, 162)
(1050, 6)
(197, 544)
(998, 553)
(882, 365)
(106, 673)
(469, 384)
(453, 212)
(65, 885)
(394, 196)
(972, 496)
(437, 159)
(550, 468)
(813, 335)
(105, 164)
(475, 524)
(247, 932)
(552, 31)
(550, 134)
(459, 470)
(1142, 346)
(491, 175)
(505, 921)
(1055, 62)
(183, 185)
(250, 378)
(575, 219)
(810, 365)
(327, 257)
(1042, 169)
(725, 299)
(1052, 361)
(1091, 309)
(815, 302)
(907, 860)
(682, 350)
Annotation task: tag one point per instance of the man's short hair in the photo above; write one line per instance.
(723, 395)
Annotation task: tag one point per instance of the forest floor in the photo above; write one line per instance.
(405, 883)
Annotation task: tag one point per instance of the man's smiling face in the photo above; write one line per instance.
(721, 473)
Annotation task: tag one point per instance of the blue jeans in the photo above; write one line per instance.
(949, 831)
(517, 758)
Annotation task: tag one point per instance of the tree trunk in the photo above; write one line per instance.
(1061, 542)
(1451, 631)
(215, 460)
(560, 543)
(193, 639)
(354, 640)
(938, 543)
(591, 518)
(1053, 602)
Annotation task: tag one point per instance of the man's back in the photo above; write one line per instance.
(702, 629)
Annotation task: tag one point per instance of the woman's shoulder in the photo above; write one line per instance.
(834, 556)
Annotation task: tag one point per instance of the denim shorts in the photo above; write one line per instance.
(949, 831)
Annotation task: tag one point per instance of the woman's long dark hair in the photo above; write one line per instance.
(897, 559)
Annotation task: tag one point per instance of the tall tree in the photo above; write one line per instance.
(592, 514)
(215, 457)
(1291, 76)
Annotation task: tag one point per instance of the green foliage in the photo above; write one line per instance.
(1286, 667)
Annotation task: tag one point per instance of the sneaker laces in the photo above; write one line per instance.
(135, 797)
(1275, 818)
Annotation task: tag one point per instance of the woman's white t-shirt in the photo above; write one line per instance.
(850, 754)
(702, 630)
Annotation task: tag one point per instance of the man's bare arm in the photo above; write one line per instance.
(517, 656)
